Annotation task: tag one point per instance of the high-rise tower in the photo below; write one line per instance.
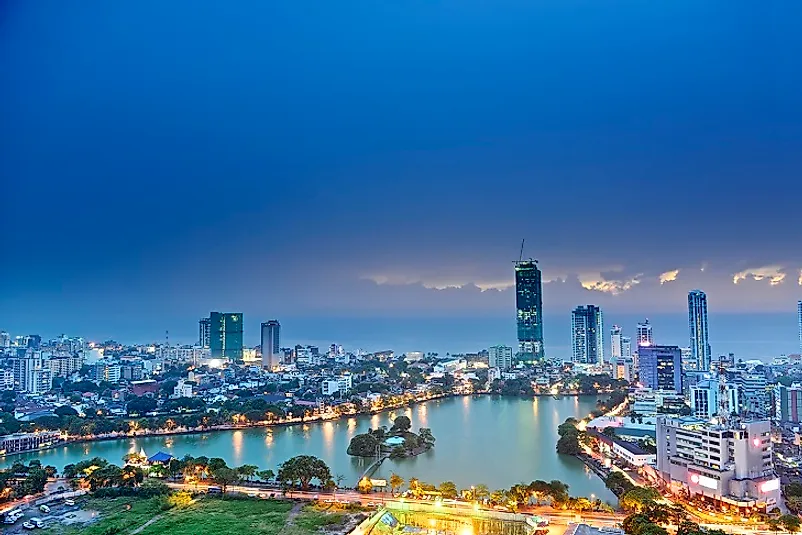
(799, 318)
(587, 335)
(271, 341)
(616, 343)
(529, 307)
(225, 340)
(697, 324)
(204, 332)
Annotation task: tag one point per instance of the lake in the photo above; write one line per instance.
(480, 439)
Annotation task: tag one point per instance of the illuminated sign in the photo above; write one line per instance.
(704, 481)
(756, 442)
(378, 482)
(770, 485)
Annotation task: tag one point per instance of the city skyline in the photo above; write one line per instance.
(375, 177)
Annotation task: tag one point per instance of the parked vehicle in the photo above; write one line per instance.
(38, 522)
(69, 502)
(28, 525)
(44, 508)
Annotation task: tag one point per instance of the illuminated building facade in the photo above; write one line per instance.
(529, 307)
(660, 367)
(728, 464)
(697, 324)
(225, 339)
(587, 332)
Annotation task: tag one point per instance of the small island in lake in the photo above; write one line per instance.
(396, 442)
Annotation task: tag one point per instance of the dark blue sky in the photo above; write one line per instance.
(163, 159)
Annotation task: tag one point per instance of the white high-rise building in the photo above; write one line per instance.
(32, 374)
(644, 334)
(697, 324)
(616, 343)
(500, 357)
(688, 360)
(587, 335)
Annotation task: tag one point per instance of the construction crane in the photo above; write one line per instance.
(521, 255)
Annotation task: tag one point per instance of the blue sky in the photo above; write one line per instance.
(382, 158)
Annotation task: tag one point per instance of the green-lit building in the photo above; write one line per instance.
(529, 306)
(225, 335)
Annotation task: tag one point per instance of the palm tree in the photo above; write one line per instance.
(396, 482)
(497, 496)
(414, 487)
(338, 479)
(481, 492)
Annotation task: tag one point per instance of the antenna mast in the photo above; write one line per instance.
(521, 256)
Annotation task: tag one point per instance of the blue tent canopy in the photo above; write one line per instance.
(160, 457)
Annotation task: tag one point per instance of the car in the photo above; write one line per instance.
(38, 522)
(44, 508)
(9, 520)
(262, 495)
(69, 502)
(29, 525)
(328, 500)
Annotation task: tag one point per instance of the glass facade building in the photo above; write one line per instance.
(660, 367)
(225, 338)
(529, 307)
(697, 324)
(271, 340)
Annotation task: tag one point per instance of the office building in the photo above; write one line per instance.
(5, 340)
(697, 324)
(728, 464)
(500, 357)
(529, 307)
(644, 334)
(340, 385)
(587, 332)
(616, 343)
(205, 332)
(788, 403)
(6, 380)
(660, 367)
(707, 402)
(271, 342)
(225, 339)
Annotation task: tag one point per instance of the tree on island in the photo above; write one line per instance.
(402, 424)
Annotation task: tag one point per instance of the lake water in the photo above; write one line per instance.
(482, 439)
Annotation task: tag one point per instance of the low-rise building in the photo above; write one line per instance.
(19, 442)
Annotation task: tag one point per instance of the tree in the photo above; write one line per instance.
(247, 471)
(364, 486)
(364, 445)
(402, 424)
(790, 522)
(225, 477)
(689, 528)
(497, 496)
(426, 437)
(140, 405)
(774, 524)
(131, 476)
(303, 469)
(265, 475)
(637, 499)
(618, 483)
(65, 410)
(396, 482)
(448, 489)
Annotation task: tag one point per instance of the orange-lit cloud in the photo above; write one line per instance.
(669, 276)
(773, 274)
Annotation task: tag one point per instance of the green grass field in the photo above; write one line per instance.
(202, 516)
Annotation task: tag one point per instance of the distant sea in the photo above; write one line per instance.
(749, 336)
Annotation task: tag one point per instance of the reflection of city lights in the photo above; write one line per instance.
(466, 530)
(756, 442)
(694, 478)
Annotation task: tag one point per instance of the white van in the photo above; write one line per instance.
(38, 522)
(45, 509)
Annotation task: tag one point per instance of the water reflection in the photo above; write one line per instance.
(328, 437)
(236, 440)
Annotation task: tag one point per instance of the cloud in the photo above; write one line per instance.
(669, 276)
(799, 281)
(774, 274)
(440, 283)
(600, 283)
